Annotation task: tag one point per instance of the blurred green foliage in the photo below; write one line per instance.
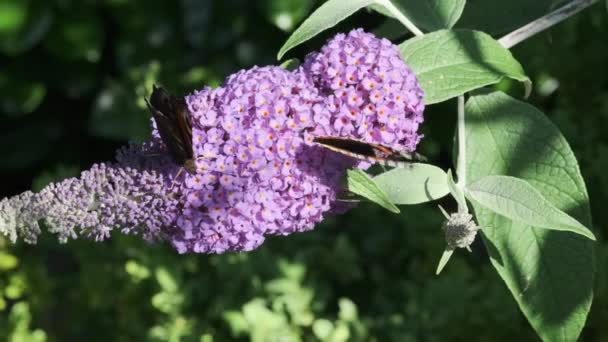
(73, 75)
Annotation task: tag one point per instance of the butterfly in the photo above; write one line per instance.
(174, 126)
(374, 153)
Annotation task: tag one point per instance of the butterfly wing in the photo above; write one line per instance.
(173, 123)
(374, 153)
(351, 147)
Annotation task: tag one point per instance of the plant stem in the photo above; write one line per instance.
(462, 150)
(544, 22)
(402, 19)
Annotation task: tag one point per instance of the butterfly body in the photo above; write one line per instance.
(374, 153)
(174, 126)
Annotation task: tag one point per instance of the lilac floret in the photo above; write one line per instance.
(258, 172)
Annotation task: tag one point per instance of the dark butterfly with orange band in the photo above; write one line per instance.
(373, 153)
(174, 126)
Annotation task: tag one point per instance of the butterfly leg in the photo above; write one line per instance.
(179, 173)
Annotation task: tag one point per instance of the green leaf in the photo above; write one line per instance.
(514, 198)
(550, 273)
(7, 261)
(327, 15)
(166, 280)
(322, 328)
(449, 63)
(445, 257)
(457, 193)
(419, 183)
(358, 182)
(290, 64)
(430, 15)
(347, 310)
(12, 15)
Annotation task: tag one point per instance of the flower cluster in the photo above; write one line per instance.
(255, 174)
(370, 93)
(257, 171)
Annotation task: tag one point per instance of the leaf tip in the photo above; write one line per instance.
(528, 88)
(589, 234)
(281, 53)
(445, 257)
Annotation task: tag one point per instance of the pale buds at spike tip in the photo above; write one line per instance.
(460, 230)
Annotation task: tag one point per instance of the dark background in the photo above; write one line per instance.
(73, 75)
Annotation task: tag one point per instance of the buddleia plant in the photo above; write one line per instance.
(255, 169)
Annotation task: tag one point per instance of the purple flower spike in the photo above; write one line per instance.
(257, 171)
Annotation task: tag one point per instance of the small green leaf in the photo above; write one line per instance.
(449, 63)
(347, 310)
(514, 198)
(322, 328)
(431, 15)
(418, 183)
(7, 261)
(457, 193)
(445, 257)
(358, 182)
(290, 64)
(166, 280)
(236, 321)
(326, 16)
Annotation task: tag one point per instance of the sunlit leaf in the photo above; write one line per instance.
(327, 15)
(449, 63)
(514, 198)
(358, 182)
(417, 183)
